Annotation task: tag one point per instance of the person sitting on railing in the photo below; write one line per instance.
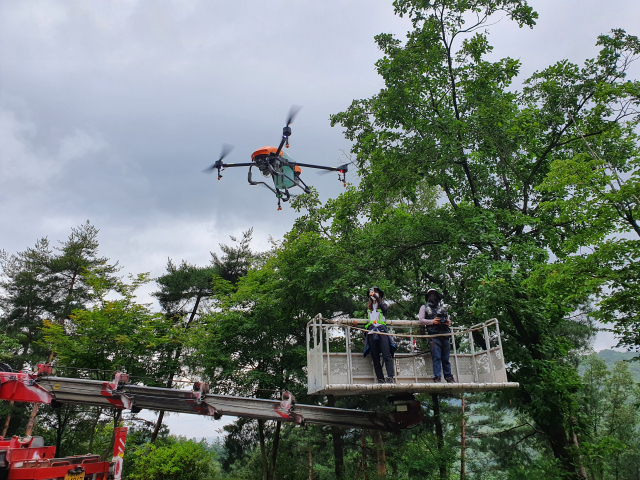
(434, 315)
(376, 344)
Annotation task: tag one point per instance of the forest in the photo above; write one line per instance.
(516, 198)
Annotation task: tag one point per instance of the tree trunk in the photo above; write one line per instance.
(108, 454)
(363, 447)
(382, 459)
(32, 420)
(156, 429)
(268, 457)
(439, 436)
(562, 447)
(338, 450)
(59, 431)
(581, 470)
(176, 357)
(263, 451)
(7, 420)
(462, 444)
(93, 429)
(274, 451)
(310, 463)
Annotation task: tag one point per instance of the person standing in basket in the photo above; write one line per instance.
(434, 315)
(376, 344)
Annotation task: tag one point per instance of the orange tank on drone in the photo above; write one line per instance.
(265, 151)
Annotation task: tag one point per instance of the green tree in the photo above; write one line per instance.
(26, 298)
(236, 260)
(112, 335)
(182, 294)
(174, 459)
(596, 193)
(76, 263)
(609, 436)
(449, 119)
(40, 284)
(251, 346)
(502, 442)
(253, 341)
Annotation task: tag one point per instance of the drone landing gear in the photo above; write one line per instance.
(251, 182)
(279, 195)
(285, 198)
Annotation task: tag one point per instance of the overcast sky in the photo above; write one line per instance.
(109, 110)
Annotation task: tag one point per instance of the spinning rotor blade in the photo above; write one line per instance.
(286, 131)
(292, 113)
(226, 149)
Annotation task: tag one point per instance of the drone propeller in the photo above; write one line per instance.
(226, 149)
(292, 113)
(286, 131)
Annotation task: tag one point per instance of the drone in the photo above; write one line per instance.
(273, 162)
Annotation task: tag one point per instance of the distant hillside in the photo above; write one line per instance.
(611, 356)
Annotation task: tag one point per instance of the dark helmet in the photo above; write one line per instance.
(432, 290)
(377, 290)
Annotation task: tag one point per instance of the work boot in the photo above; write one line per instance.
(437, 379)
(389, 379)
(450, 380)
(381, 380)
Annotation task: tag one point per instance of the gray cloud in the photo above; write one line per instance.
(151, 90)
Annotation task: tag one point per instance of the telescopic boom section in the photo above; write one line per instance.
(42, 387)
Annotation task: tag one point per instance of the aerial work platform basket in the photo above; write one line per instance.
(335, 365)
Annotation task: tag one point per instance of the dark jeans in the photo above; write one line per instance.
(440, 349)
(377, 347)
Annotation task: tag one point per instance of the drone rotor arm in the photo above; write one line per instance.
(228, 165)
(282, 142)
(221, 166)
(342, 168)
(306, 188)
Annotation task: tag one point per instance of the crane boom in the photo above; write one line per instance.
(42, 387)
